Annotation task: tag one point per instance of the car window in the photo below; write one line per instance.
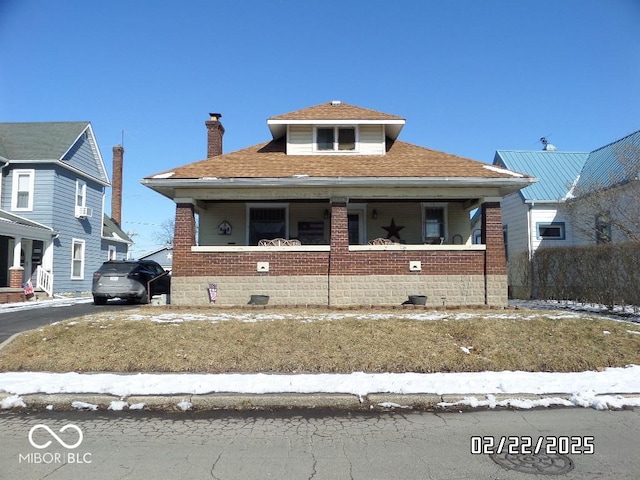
(157, 268)
(120, 268)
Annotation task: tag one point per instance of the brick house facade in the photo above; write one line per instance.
(333, 204)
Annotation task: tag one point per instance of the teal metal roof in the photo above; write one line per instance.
(556, 171)
(612, 164)
(38, 141)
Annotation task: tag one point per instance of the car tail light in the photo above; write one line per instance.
(96, 275)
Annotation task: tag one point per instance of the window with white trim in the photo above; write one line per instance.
(77, 259)
(111, 252)
(23, 188)
(81, 193)
(434, 223)
(335, 139)
(550, 230)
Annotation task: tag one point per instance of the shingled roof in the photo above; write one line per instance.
(269, 160)
(38, 140)
(335, 111)
(53, 142)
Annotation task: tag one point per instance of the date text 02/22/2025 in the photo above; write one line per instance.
(550, 445)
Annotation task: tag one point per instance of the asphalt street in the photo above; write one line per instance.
(311, 445)
(22, 317)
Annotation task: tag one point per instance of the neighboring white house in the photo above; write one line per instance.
(561, 208)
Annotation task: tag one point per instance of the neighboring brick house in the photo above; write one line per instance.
(52, 227)
(358, 216)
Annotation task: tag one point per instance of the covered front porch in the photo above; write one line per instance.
(339, 251)
(26, 253)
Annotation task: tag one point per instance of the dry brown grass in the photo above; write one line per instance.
(542, 342)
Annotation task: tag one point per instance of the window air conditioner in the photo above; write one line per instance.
(83, 212)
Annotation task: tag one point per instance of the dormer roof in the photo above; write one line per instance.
(332, 113)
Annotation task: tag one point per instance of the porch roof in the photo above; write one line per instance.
(13, 225)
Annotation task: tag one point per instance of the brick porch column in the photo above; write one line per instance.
(495, 265)
(184, 237)
(339, 242)
(16, 275)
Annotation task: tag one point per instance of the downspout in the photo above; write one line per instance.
(530, 229)
(1, 167)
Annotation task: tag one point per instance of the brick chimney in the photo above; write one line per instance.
(116, 186)
(215, 131)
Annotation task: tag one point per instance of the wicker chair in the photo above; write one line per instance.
(381, 241)
(278, 242)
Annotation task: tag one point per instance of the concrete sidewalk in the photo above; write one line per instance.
(45, 303)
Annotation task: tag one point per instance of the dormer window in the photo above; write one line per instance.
(335, 139)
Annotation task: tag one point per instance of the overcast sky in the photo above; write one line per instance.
(470, 77)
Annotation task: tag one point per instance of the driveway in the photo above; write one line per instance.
(20, 317)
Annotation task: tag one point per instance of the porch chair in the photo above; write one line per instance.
(381, 241)
(278, 242)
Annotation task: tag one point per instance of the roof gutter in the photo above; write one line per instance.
(65, 166)
(306, 181)
(543, 202)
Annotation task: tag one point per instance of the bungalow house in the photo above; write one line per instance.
(52, 227)
(581, 198)
(335, 210)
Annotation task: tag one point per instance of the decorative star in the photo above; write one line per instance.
(393, 230)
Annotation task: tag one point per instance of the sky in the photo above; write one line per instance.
(469, 77)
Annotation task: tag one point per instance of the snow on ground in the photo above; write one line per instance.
(310, 316)
(600, 390)
(48, 303)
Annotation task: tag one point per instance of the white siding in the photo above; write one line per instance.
(234, 213)
(458, 224)
(514, 218)
(300, 140)
(548, 215)
(372, 140)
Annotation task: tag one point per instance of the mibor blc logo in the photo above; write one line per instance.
(38, 440)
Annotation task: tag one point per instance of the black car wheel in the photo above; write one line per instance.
(99, 300)
(144, 298)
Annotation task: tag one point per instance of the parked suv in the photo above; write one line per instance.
(129, 279)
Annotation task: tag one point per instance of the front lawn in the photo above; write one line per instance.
(289, 341)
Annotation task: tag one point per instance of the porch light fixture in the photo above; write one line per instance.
(374, 214)
(326, 214)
